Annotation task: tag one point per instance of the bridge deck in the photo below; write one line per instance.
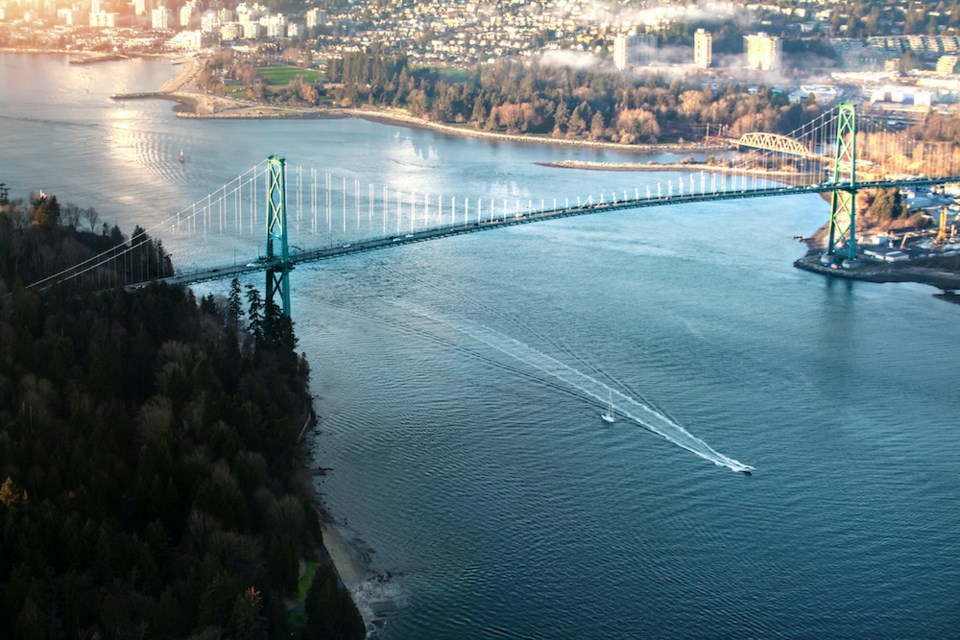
(372, 244)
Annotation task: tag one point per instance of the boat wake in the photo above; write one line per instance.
(641, 413)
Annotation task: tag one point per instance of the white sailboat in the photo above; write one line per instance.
(608, 416)
(182, 157)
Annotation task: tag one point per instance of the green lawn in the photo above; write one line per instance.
(277, 76)
(304, 585)
(451, 74)
(235, 91)
(298, 621)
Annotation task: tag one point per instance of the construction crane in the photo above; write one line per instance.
(942, 231)
(908, 234)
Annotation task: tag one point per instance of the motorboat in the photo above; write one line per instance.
(608, 415)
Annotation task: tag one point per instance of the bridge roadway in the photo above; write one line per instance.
(327, 253)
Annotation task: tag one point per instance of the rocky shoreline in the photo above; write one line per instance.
(947, 281)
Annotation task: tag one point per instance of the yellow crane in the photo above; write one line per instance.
(942, 231)
(908, 234)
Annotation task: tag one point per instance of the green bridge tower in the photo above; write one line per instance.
(843, 200)
(278, 271)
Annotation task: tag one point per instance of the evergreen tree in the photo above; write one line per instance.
(596, 126)
(246, 621)
(234, 304)
(330, 613)
(255, 314)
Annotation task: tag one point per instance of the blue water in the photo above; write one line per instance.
(480, 489)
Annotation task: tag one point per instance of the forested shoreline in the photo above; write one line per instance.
(531, 97)
(523, 96)
(594, 104)
(151, 484)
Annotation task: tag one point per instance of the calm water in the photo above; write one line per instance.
(458, 382)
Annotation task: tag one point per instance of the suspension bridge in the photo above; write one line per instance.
(311, 215)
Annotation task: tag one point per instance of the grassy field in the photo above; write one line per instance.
(451, 74)
(235, 91)
(277, 76)
(306, 580)
(298, 621)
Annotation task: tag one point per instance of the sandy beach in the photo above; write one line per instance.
(402, 118)
(350, 570)
(189, 67)
(694, 167)
(214, 107)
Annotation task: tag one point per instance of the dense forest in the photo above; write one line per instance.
(527, 97)
(40, 238)
(151, 484)
(521, 97)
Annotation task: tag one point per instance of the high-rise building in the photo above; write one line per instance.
(702, 48)
(251, 30)
(275, 25)
(210, 21)
(764, 52)
(632, 49)
(316, 17)
(161, 19)
(187, 12)
(106, 19)
(231, 31)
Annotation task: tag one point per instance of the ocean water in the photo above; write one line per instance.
(459, 385)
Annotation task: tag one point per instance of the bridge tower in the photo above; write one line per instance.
(278, 271)
(843, 201)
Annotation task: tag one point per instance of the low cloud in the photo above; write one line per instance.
(578, 60)
(625, 17)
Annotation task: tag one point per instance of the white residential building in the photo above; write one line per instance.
(161, 19)
(633, 49)
(764, 52)
(316, 17)
(210, 22)
(251, 30)
(104, 19)
(187, 12)
(249, 12)
(231, 31)
(702, 48)
(275, 25)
